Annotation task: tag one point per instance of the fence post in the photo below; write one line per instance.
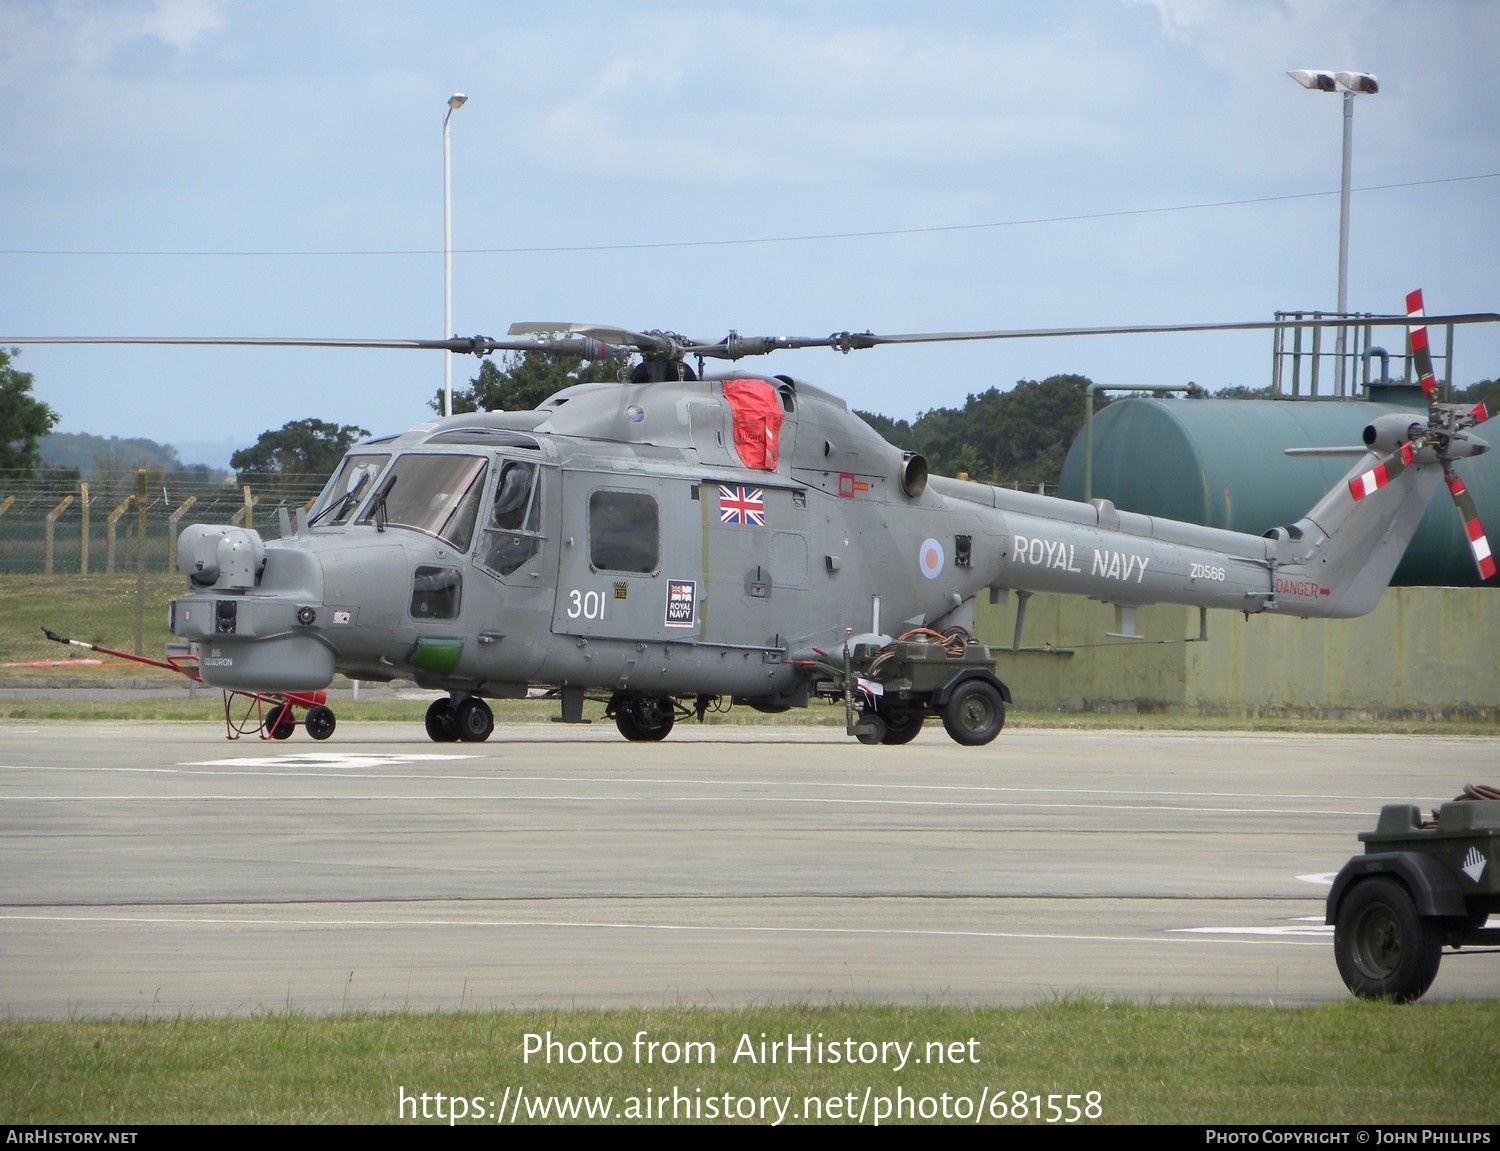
(109, 533)
(51, 531)
(83, 531)
(246, 514)
(172, 530)
(140, 562)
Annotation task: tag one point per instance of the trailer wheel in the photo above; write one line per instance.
(902, 727)
(974, 713)
(870, 728)
(1382, 946)
(319, 722)
(280, 722)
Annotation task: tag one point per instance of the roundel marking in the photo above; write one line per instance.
(930, 558)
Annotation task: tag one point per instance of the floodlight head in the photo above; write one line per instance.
(1318, 79)
(1363, 82)
(457, 101)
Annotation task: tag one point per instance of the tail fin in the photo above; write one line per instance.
(1346, 549)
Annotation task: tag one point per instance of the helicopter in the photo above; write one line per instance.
(677, 541)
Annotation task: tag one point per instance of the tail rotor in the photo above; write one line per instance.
(1445, 434)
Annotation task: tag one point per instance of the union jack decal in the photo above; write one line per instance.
(741, 505)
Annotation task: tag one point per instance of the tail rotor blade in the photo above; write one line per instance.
(1370, 482)
(1421, 354)
(1484, 559)
(1485, 409)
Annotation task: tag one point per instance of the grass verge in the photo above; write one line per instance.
(1348, 1063)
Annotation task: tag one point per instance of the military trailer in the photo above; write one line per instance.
(1419, 886)
(891, 687)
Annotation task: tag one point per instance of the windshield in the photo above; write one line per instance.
(438, 495)
(351, 483)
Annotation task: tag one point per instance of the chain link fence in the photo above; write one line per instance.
(97, 560)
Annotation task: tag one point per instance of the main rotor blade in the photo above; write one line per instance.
(735, 346)
(867, 339)
(464, 345)
(592, 337)
(657, 342)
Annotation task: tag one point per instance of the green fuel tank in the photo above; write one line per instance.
(1222, 463)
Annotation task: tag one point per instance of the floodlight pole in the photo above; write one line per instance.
(1352, 83)
(1342, 333)
(455, 102)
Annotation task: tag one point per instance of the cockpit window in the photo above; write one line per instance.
(511, 533)
(438, 495)
(354, 480)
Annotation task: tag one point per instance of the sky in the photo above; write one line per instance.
(229, 168)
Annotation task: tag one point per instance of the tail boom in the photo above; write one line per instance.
(1335, 562)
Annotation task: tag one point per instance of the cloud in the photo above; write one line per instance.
(88, 33)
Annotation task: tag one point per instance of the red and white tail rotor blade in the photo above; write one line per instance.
(1421, 354)
(1485, 409)
(1484, 559)
(1370, 482)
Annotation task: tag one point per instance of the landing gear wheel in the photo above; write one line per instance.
(645, 719)
(902, 727)
(442, 725)
(974, 713)
(319, 722)
(280, 722)
(473, 721)
(1383, 947)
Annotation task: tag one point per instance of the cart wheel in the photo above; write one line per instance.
(1383, 947)
(319, 722)
(473, 721)
(902, 727)
(870, 727)
(974, 713)
(442, 727)
(280, 722)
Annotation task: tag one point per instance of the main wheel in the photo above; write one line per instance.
(645, 719)
(974, 713)
(902, 727)
(473, 720)
(280, 722)
(319, 722)
(1382, 946)
(442, 725)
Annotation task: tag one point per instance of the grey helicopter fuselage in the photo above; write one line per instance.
(635, 538)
